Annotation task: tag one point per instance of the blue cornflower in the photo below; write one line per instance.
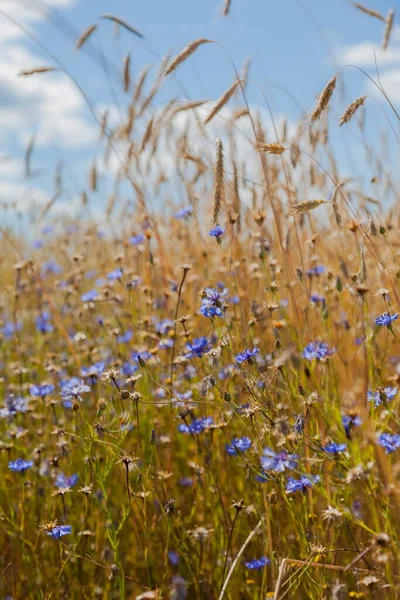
(43, 322)
(263, 477)
(63, 481)
(94, 370)
(212, 302)
(184, 212)
(386, 319)
(197, 425)
(124, 338)
(389, 441)
(299, 423)
(217, 232)
(162, 327)
(59, 530)
(316, 298)
(317, 350)
(135, 240)
(334, 448)
(129, 369)
(300, 485)
(379, 395)
(114, 275)
(317, 270)
(13, 405)
(165, 344)
(51, 266)
(173, 558)
(41, 390)
(71, 390)
(349, 422)
(144, 355)
(258, 563)
(185, 481)
(20, 465)
(238, 445)
(247, 355)
(90, 296)
(10, 329)
(197, 347)
(278, 461)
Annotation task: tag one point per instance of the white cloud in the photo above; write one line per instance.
(369, 55)
(364, 54)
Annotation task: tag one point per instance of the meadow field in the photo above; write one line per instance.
(199, 386)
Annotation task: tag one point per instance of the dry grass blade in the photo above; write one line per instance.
(272, 148)
(93, 178)
(123, 24)
(368, 11)
(219, 180)
(350, 110)
(186, 52)
(187, 106)
(83, 38)
(227, 6)
(147, 134)
(48, 206)
(388, 29)
(28, 156)
(302, 207)
(140, 83)
(221, 102)
(36, 71)
(127, 72)
(323, 99)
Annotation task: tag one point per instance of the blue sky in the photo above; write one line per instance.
(294, 45)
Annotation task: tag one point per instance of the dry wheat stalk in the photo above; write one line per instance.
(323, 99)
(221, 102)
(127, 72)
(37, 70)
(219, 180)
(335, 208)
(302, 207)
(388, 29)
(368, 11)
(93, 178)
(103, 123)
(123, 24)
(187, 106)
(185, 53)
(147, 134)
(271, 148)
(236, 198)
(83, 38)
(238, 114)
(350, 110)
(48, 206)
(131, 119)
(28, 156)
(227, 6)
(140, 83)
(294, 154)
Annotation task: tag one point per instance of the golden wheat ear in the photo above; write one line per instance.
(219, 180)
(185, 53)
(85, 35)
(221, 102)
(323, 99)
(368, 11)
(123, 24)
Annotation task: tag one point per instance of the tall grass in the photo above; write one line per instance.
(202, 388)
